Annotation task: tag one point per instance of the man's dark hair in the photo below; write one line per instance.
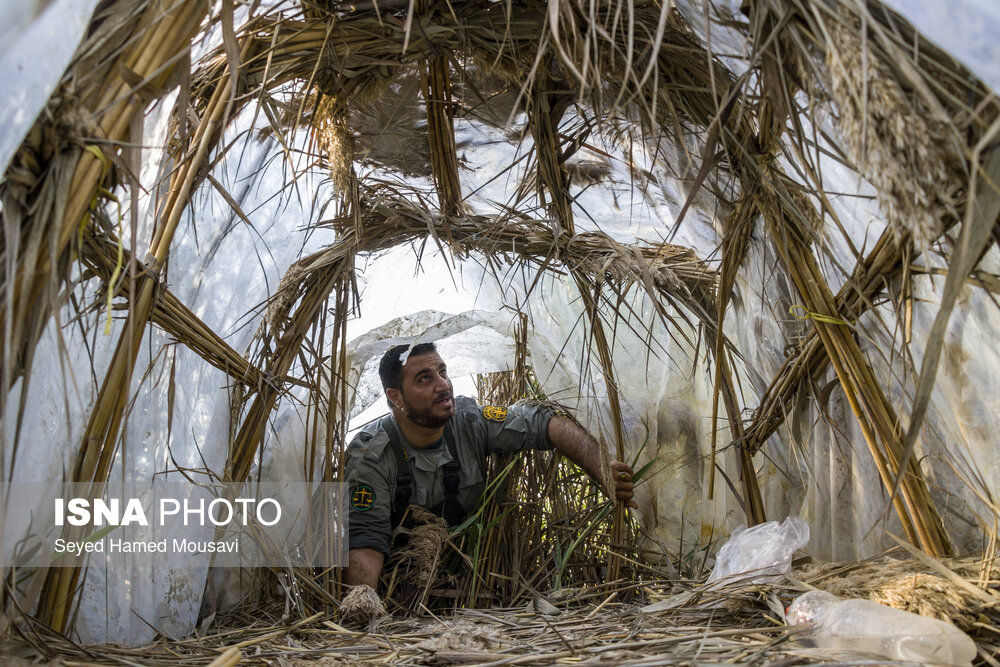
(390, 369)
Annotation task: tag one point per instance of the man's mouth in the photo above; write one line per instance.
(444, 401)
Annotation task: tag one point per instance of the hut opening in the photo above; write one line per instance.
(751, 247)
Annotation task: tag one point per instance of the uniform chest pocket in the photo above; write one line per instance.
(429, 490)
(471, 486)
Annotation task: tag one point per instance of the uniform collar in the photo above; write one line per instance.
(428, 459)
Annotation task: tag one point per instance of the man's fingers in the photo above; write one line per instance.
(622, 474)
(620, 468)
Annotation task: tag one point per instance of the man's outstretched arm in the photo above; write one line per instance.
(363, 567)
(580, 447)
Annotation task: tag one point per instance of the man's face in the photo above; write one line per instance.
(426, 396)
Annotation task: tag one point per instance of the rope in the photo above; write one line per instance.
(818, 317)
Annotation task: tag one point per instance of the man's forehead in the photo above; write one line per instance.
(425, 361)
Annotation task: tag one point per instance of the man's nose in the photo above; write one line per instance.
(441, 384)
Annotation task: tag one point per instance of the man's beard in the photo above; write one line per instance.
(426, 418)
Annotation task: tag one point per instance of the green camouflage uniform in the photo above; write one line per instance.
(477, 431)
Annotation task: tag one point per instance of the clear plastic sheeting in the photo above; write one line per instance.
(33, 55)
(761, 553)
(470, 343)
(222, 272)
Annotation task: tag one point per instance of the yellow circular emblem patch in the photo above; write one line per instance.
(363, 498)
(495, 413)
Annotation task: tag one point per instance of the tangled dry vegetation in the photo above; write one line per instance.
(652, 621)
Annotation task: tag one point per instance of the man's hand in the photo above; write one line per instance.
(622, 474)
(361, 606)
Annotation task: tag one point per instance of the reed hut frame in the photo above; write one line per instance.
(639, 59)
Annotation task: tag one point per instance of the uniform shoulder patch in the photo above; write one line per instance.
(363, 498)
(494, 413)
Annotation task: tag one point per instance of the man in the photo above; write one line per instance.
(432, 449)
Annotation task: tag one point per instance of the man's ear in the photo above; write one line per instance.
(394, 396)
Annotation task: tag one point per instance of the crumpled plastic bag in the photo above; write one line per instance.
(762, 553)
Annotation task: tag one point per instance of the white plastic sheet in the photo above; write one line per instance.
(964, 28)
(34, 51)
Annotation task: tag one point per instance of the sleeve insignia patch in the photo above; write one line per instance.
(494, 413)
(363, 498)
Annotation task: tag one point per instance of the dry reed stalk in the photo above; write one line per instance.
(435, 83)
(232, 656)
(736, 237)
(782, 212)
(600, 341)
(720, 627)
(877, 137)
(548, 104)
(387, 219)
(893, 53)
(497, 562)
(169, 313)
(247, 442)
(336, 441)
(884, 263)
(100, 438)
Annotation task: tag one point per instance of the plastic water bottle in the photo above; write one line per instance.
(862, 626)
